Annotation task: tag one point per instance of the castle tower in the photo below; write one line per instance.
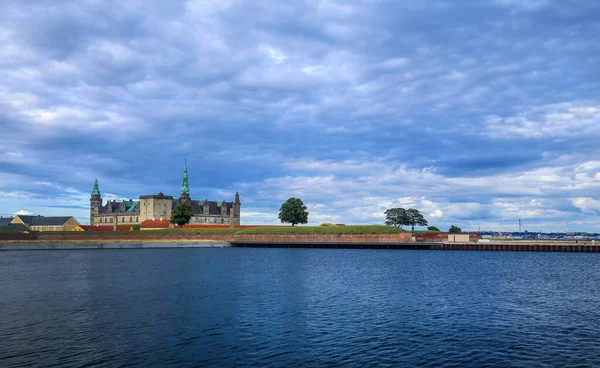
(236, 209)
(185, 187)
(95, 203)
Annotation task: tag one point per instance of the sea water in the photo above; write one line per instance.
(299, 308)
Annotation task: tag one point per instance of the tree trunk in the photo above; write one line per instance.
(413, 228)
(293, 224)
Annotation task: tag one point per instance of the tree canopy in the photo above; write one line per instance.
(455, 229)
(293, 211)
(396, 217)
(181, 214)
(400, 216)
(433, 228)
(415, 218)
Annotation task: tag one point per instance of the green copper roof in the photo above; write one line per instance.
(96, 190)
(185, 188)
(130, 205)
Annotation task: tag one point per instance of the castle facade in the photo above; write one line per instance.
(159, 207)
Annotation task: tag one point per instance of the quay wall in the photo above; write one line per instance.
(517, 247)
(548, 246)
(116, 237)
(90, 240)
(100, 245)
(285, 238)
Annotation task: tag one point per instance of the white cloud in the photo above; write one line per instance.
(568, 119)
(587, 204)
(24, 213)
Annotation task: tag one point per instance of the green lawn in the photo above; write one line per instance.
(350, 229)
(421, 232)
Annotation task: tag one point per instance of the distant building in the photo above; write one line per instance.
(48, 223)
(159, 207)
(107, 228)
(7, 225)
(446, 236)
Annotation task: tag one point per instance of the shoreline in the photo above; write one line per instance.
(334, 241)
(110, 245)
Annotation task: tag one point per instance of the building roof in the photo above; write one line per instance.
(5, 224)
(155, 224)
(214, 207)
(14, 227)
(443, 235)
(125, 207)
(130, 206)
(5, 220)
(156, 196)
(106, 227)
(96, 190)
(185, 187)
(45, 220)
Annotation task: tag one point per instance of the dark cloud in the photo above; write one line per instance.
(473, 111)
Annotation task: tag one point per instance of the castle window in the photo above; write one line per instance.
(137, 219)
(130, 219)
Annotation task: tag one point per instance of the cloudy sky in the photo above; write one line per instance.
(478, 113)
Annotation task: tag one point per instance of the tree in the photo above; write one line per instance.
(415, 218)
(293, 211)
(396, 217)
(433, 228)
(400, 216)
(454, 229)
(181, 214)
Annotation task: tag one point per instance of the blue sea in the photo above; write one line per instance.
(244, 307)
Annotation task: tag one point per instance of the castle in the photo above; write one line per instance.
(159, 207)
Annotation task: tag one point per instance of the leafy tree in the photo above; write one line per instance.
(433, 228)
(293, 211)
(396, 217)
(415, 218)
(454, 229)
(400, 216)
(181, 214)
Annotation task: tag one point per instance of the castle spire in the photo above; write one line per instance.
(96, 190)
(185, 188)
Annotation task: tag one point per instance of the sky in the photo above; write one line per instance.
(478, 113)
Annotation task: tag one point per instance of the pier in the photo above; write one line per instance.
(504, 246)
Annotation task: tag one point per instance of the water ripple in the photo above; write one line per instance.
(298, 308)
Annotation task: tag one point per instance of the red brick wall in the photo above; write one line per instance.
(136, 237)
(274, 239)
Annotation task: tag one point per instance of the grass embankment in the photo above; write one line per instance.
(351, 229)
(421, 232)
